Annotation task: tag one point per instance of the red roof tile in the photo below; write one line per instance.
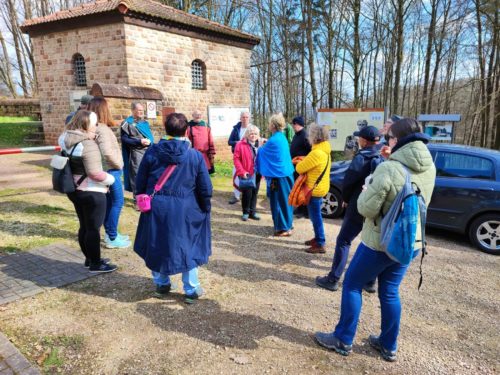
(147, 7)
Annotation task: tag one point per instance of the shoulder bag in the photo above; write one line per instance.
(144, 200)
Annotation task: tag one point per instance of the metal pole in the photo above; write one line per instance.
(9, 151)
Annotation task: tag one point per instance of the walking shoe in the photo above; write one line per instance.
(123, 237)
(316, 249)
(191, 298)
(329, 341)
(254, 217)
(102, 268)
(283, 233)
(103, 260)
(389, 356)
(369, 288)
(310, 242)
(325, 283)
(162, 290)
(117, 243)
(244, 217)
(233, 200)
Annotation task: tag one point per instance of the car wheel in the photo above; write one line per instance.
(484, 232)
(332, 204)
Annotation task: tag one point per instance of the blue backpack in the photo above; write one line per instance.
(399, 225)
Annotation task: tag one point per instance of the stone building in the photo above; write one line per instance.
(133, 50)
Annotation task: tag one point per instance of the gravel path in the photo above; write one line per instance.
(260, 311)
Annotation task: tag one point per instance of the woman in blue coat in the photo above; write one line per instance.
(174, 237)
(275, 164)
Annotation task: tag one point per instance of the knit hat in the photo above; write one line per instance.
(299, 120)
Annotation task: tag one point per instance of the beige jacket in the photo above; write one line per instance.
(97, 180)
(110, 149)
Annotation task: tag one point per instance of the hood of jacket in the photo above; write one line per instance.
(171, 151)
(415, 155)
(72, 137)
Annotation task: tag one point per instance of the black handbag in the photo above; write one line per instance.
(247, 183)
(62, 177)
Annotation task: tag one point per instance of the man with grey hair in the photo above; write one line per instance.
(236, 135)
(200, 135)
(136, 137)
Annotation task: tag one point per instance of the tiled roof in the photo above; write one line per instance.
(147, 7)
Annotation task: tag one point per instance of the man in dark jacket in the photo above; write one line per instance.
(363, 164)
(300, 146)
(136, 137)
(236, 135)
(84, 104)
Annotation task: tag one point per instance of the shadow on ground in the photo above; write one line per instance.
(206, 321)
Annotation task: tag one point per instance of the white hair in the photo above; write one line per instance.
(250, 129)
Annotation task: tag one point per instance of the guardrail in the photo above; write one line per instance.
(9, 151)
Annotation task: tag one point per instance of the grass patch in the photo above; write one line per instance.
(11, 119)
(14, 133)
(224, 168)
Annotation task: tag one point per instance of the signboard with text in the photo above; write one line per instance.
(222, 119)
(343, 122)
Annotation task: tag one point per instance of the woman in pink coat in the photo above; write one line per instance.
(244, 156)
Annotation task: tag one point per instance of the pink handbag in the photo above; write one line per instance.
(143, 201)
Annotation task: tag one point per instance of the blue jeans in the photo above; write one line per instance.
(114, 205)
(351, 227)
(314, 209)
(189, 280)
(366, 265)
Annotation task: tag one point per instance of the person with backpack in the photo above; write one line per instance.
(409, 156)
(363, 164)
(91, 185)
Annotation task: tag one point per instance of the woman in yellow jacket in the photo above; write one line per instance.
(317, 166)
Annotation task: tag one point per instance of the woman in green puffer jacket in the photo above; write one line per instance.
(369, 261)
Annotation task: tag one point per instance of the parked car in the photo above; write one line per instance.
(466, 197)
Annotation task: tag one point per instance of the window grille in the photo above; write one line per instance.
(79, 69)
(197, 75)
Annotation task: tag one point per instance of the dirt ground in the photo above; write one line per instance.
(260, 310)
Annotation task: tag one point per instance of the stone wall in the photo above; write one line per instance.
(137, 56)
(103, 48)
(20, 108)
(163, 60)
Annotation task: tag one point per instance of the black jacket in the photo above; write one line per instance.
(363, 163)
(235, 136)
(300, 145)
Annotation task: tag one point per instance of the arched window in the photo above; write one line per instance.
(79, 70)
(198, 75)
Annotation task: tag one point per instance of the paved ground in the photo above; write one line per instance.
(12, 361)
(29, 273)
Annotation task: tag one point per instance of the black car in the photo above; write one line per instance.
(466, 197)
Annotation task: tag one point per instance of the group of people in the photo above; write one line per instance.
(174, 236)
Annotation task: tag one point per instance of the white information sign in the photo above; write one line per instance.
(222, 119)
(151, 109)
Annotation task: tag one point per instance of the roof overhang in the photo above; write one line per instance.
(167, 19)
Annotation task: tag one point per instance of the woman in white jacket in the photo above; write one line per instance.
(91, 183)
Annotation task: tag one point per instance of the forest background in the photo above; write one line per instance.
(408, 56)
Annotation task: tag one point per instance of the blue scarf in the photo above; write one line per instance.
(273, 158)
(143, 127)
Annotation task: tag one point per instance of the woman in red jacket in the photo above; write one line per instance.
(244, 156)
